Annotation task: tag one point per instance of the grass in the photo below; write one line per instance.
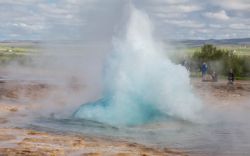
(16, 50)
(12, 52)
(241, 50)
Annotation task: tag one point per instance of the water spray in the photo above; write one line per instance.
(141, 85)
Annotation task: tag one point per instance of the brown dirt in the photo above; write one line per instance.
(220, 93)
(15, 90)
(34, 143)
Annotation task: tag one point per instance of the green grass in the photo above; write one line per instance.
(16, 50)
(238, 49)
(241, 50)
(10, 52)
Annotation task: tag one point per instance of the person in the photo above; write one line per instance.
(204, 71)
(230, 77)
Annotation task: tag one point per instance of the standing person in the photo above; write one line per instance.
(231, 77)
(204, 71)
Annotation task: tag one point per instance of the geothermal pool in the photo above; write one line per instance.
(227, 135)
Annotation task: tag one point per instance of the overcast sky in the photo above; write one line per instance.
(92, 19)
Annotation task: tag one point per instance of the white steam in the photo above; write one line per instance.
(140, 81)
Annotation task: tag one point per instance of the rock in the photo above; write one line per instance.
(6, 137)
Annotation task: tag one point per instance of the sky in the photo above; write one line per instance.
(97, 20)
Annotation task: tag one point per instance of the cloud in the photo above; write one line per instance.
(239, 26)
(216, 26)
(34, 27)
(233, 4)
(221, 15)
(185, 23)
(36, 18)
(98, 19)
(187, 8)
(174, 8)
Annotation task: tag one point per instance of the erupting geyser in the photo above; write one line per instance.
(141, 84)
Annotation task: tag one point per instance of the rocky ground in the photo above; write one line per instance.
(221, 94)
(14, 141)
(18, 141)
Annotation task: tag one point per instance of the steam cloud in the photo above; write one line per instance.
(140, 83)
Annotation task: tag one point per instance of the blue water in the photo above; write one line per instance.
(143, 113)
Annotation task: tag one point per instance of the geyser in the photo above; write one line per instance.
(140, 83)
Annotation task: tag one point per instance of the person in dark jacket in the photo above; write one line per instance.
(231, 77)
(204, 69)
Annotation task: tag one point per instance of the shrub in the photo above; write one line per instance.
(220, 61)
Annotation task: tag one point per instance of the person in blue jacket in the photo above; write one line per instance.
(204, 71)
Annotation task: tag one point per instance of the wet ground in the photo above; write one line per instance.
(224, 129)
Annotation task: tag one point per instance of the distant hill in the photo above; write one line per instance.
(197, 43)
(189, 43)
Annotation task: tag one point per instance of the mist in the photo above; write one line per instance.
(69, 60)
(140, 82)
(109, 54)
